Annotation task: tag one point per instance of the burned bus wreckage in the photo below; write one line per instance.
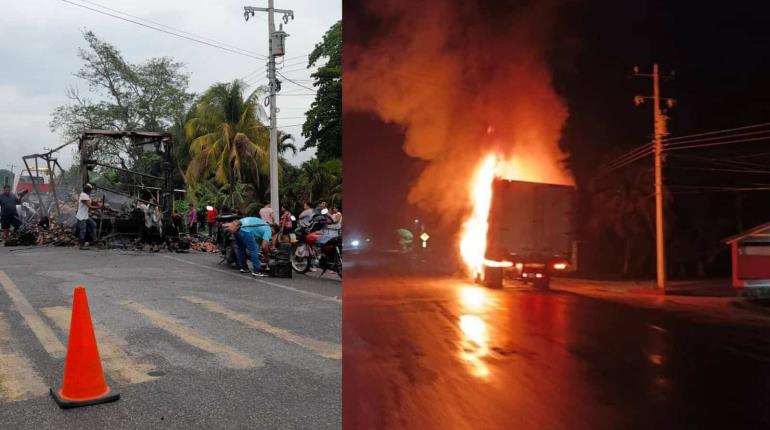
(49, 210)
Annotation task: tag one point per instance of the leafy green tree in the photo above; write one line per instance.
(122, 96)
(323, 124)
(228, 142)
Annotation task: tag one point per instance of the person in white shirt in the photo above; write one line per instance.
(86, 225)
(152, 233)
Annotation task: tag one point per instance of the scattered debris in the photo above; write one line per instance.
(203, 245)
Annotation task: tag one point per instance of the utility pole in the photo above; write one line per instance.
(276, 42)
(11, 167)
(660, 131)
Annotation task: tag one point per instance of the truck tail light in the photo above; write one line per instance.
(538, 275)
(560, 266)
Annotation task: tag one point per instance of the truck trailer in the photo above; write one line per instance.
(530, 234)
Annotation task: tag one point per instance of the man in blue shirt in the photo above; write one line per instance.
(248, 232)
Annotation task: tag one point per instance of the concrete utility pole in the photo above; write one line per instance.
(11, 167)
(277, 49)
(660, 131)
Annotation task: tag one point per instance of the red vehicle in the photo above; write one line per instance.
(26, 182)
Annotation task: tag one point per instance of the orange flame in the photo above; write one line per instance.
(473, 239)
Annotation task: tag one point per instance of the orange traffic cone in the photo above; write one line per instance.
(84, 382)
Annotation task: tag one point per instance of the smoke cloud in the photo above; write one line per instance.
(464, 80)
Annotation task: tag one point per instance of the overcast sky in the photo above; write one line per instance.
(39, 40)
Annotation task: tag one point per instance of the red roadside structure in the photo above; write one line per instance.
(751, 257)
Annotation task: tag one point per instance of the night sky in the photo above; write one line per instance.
(720, 57)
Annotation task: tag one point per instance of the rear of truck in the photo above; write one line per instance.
(530, 232)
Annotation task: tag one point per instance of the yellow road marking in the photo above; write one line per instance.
(18, 380)
(324, 349)
(232, 357)
(44, 334)
(121, 366)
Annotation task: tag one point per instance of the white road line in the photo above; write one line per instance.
(44, 334)
(272, 284)
(324, 349)
(121, 366)
(232, 357)
(18, 379)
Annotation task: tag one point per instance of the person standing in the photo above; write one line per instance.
(86, 225)
(9, 215)
(152, 233)
(266, 213)
(211, 219)
(336, 217)
(201, 220)
(306, 215)
(192, 219)
(287, 224)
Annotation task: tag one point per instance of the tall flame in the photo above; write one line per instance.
(447, 77)
(473, 239)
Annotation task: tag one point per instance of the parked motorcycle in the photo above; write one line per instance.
(313, 248)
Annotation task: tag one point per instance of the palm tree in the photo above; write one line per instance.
(229, 143)
(286, 143)
(322, 179)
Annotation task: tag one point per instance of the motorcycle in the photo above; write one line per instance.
(226, 242)
(313, 248)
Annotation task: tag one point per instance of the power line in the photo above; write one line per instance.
(298, 56)
(193, 39)
(761, 154)
(715, 169)
(250, 74)
(292, 64)
(300, 85)
(171, 28)
(719, 161)
(301, 69)
(629, 157)
(706, 145)
(717, 131)
(696, 189)
(715, 138)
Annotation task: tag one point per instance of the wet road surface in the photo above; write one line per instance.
(442, 353)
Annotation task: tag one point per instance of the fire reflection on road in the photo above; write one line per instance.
(474, 347)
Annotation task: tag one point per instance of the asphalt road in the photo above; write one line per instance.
(442, 353)
(186, 342)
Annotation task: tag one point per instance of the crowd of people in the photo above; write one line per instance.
(262, 230)
(256, 232)
(198, 220)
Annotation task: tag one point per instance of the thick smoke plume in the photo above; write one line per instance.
(464, 81)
